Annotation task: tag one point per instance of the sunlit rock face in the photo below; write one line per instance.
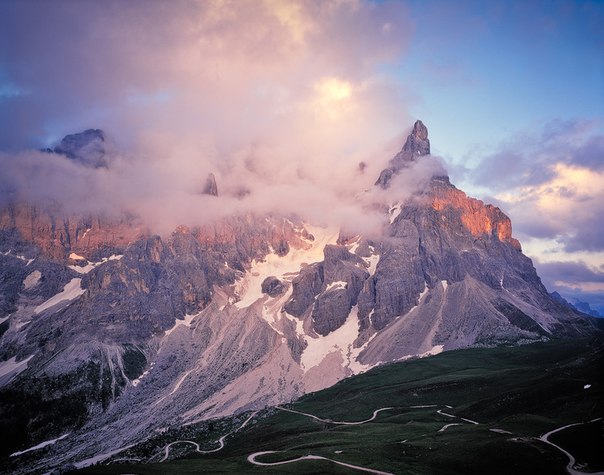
(145, 331)
(57, 234)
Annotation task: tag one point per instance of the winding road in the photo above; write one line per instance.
(329, 421)
(197, 448)
(252, 459)
(571, 460)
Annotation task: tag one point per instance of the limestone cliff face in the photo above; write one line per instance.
(478, 218)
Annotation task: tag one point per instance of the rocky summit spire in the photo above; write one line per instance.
(416, 145)
(210, 187)
(87, 148)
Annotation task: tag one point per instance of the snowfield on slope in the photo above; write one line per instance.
(249, 288)
(71, 291)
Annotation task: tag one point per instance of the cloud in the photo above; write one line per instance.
(574, 280)
(551, 183)
(228, 69)
(280, 99)
(529, 158)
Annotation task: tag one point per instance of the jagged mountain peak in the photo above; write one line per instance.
(416, 145)
(420, 131)
(88, 147)
(210, 188)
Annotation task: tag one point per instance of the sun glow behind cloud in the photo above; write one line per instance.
(281, 100)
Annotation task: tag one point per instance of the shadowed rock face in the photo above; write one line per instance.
(211, 188)
(343, 278)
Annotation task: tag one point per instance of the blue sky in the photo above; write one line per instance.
(484, 70)
(512, 93)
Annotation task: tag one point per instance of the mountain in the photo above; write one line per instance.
(110, 333)
(88, 148)
(578, 305)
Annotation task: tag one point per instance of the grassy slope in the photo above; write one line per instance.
(526, 390)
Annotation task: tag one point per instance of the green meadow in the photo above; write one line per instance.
(515, 394)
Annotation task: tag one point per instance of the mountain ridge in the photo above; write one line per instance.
(150, 331)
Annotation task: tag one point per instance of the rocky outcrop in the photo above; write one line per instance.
(416, 145)
(210, 188)
(56, 234)
(343, 278)
(88, 148)
(305, 287)
(272, 286)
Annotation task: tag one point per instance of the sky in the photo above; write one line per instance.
(287, 99)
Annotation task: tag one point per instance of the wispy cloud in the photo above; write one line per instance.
(551, 183)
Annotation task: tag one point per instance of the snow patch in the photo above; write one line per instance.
(20, 324)
(135, 382)
(39, 446)
(435, 350)
(12, 368)
(71, 291)
(445, 284)
(3, 319)
(249, 288)
(587, 386)
(186, 322)
(32, 280)
(100, 458)
(340, 284)
(339, 341)
(372, 261)
(271, 312)
(91, 265)
(394, 211)
(23, 258)
(353, 246)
